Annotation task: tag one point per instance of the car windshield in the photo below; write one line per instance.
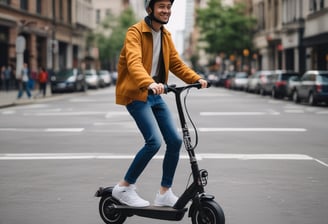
(323, 78)
(64, 73)
(89, 73)
(287, 76)
(241, 75)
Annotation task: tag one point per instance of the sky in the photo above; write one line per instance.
(177, 20)
(177, 23)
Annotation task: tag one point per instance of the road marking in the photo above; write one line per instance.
(108, 156)
(63, 113)
(132, 128)
(322, 112)
(40, 129)
(64, 129)
(230, 113)
(252, 129)
(294, 111)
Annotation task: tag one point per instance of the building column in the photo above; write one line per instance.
(69, 56)
(296, 60)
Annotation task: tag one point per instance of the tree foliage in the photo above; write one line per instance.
(110, 39)
(225, 29)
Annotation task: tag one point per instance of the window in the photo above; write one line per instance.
(316, 5)
(61, 9)
(98, 16)
(5, 2)
(261, 20)
(24, 4)
(39, 6)
(108, 12)
(69, 11)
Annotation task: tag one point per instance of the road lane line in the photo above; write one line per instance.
(66, 113)
(321, 162)
(230, 113)
(109, 156)
(252, 129)
(64, 129)
(42, 130)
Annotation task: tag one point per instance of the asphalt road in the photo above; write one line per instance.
(267, 159)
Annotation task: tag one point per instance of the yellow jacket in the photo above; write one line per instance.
(135, 63)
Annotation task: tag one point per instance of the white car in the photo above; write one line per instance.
(92, 78)
(105, 78)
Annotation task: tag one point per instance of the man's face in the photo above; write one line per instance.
(162, 10)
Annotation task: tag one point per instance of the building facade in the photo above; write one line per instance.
(54, 32)
(291, 34)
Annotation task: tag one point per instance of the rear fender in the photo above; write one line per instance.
(104, 191)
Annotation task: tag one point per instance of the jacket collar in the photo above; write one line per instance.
(145, 28)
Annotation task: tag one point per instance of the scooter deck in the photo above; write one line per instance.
(158, 212)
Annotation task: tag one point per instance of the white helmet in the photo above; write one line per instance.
(148, 3)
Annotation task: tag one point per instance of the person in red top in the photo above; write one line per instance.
(43, 79)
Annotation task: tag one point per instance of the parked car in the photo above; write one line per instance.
(114, 77)
(213, 79)
(68, 80)
(313, 88)
(105, 78)
(292, 82)
(255, 81)
(228, 78)
(239, 81)
(276, 84)
(92, 78)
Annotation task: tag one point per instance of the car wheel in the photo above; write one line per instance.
(296, 98)
(311, 100)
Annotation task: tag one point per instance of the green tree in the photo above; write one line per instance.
(225, 29)
(110, 39)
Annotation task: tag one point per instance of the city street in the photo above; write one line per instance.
(267, 159)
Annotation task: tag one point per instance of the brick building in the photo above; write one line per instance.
(54, 32)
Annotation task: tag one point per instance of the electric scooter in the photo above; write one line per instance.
(203, 209)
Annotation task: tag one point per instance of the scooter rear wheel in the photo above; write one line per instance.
(107, 213)
(209, 212)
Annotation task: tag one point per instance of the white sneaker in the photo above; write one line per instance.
(129, 196)
(167, 199)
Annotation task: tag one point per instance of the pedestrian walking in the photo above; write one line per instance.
(23, 82)
(146, 58)
(2, 75)
(7, 77)
(43, 79)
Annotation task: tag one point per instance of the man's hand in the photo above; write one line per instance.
(157, 88)
(203, 82)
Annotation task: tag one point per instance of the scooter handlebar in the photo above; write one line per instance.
(174, 88)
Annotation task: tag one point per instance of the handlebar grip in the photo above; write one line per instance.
(167, 88)
(173, 87)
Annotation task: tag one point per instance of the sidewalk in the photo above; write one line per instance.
(9, 99)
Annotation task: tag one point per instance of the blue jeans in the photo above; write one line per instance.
(153, 118)
(23, 86)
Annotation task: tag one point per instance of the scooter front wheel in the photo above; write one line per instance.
(208, 212)
(108, 214)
